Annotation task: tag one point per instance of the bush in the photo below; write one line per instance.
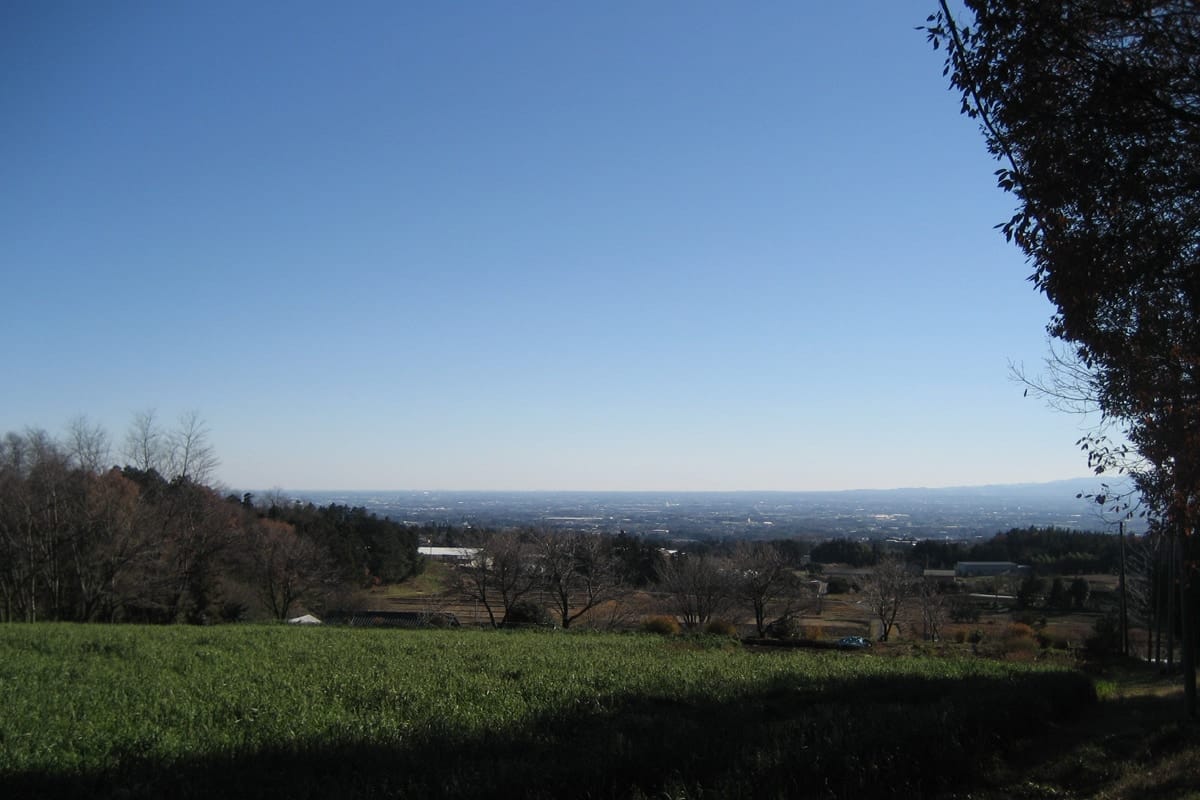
(1018, 642)
(813, 633)
(1020, 649)
(233, 611)
(526, 612)
(720, 627)
(664, 626)
(1106, 636)
(837, 585)
(1031, 618)
(785, 628)
(1018, 630)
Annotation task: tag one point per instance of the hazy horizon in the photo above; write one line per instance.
(1097, 480)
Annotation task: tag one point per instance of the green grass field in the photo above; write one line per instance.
(274, 711)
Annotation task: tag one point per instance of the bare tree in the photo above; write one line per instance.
(74, 544)
(19, 533)
(286, 568)
(88, 445)
(700, 587)
(933, 608)
(887, 589)
(184, 451)
(145, 443)
(501, 574)
(190, 454)
(1145, 577)
(763, 582)
(41, 502)
(112, 543)
(578, 571)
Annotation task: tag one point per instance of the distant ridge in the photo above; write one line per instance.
(960, 512)
(1085, 485)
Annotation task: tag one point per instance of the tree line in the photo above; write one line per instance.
(517, 575)
(151, 541)
(1047, 549)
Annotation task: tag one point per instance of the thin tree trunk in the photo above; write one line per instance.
(1188, 655)
(1154, 623)
(1172, 578)
(1187, 620)
(1124, 604)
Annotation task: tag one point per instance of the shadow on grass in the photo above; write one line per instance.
(1132, 746)
(907, 737)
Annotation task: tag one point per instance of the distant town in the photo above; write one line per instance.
(955, 514)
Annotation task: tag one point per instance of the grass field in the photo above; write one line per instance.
(274, 711)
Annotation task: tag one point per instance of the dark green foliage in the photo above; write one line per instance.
(1030, 591)
(1058, 599)
(1052, 550)
(528, 613)
(1049, 550)
(837, 585)
(638, 559)
(233, 611)
(794, 552)
(365, 547)
(932, 554)
(844, 551)
(1106, 636)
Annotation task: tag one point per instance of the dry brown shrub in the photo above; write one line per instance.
(720, 627)
(813, 633)
(662, 625)
(1018, 630)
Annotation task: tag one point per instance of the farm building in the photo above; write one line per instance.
(987, 569)
(456, 555)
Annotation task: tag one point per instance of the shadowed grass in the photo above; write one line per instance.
(1135, 743)
(274, 712)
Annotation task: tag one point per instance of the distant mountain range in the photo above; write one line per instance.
(963, 512)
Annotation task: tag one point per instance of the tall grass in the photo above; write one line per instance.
(291, 711)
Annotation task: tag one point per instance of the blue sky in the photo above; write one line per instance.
(519, 245)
